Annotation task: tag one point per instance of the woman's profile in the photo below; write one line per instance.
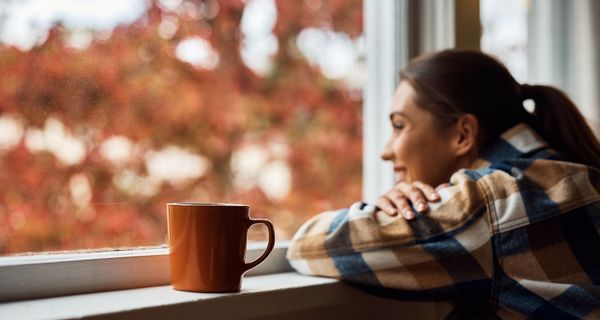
(493, 203)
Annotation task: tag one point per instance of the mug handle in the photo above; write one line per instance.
(270, 245)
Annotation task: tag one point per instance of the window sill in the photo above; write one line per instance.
(57, 275)
(265, 296)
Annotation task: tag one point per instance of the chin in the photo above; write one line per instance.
(401, 177)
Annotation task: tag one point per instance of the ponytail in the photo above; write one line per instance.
(559, 122)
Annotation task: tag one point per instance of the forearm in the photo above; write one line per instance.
(366, 245)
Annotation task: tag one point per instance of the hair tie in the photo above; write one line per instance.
(526, 92)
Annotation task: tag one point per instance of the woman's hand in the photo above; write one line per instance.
(399, 198)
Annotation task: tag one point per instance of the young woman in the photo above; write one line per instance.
(493, 203)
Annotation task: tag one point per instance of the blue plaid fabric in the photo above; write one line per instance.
(519, 230)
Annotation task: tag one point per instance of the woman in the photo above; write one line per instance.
(514, 217)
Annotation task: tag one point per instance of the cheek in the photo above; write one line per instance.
(422, 157)
(409, 151)
(401, 148)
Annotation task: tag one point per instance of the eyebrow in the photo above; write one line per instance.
(400, 113)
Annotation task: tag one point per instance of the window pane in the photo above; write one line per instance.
(111, 109)
(505, 33)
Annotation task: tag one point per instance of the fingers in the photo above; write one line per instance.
(415, 194)
(399, 199)
(393, 202)
(386, 205)
(401, 203)
(429, 191)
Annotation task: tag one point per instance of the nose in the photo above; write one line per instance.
(386, 154)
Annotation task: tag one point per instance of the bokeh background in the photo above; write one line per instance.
(111, 109)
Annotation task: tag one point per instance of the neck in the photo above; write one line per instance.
(470, 160)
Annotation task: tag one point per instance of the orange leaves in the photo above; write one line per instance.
(132, 86)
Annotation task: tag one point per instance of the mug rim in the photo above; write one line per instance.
(205, 204)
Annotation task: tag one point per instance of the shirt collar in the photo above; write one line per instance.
(516, 142)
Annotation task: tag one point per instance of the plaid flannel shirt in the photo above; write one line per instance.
(520, 231)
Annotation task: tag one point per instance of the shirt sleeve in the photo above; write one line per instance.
(445, 247)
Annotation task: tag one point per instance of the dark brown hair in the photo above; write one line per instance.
(451, 83)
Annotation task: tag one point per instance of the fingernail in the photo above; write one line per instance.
(408, 214)
(421, 206)
(434, 195)
(392, 211)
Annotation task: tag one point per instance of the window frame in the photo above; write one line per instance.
(390, 32)
(387, 44)
(395, 32)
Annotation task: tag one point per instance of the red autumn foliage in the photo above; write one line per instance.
(132, 85)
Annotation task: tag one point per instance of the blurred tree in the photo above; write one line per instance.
(67, 194)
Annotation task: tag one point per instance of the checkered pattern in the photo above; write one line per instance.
(520, 231)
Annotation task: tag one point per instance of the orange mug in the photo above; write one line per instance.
(207, 244)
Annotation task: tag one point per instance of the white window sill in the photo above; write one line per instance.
(56, 275)
(267, 296)
(258, 293)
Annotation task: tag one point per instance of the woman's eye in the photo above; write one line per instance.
(398, 126)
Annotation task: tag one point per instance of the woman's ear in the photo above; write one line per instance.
(467, 133)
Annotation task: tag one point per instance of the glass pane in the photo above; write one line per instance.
(505, 33)
(111, 109)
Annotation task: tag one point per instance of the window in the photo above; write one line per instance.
(387, 42)
(505, 34)
(111, 109)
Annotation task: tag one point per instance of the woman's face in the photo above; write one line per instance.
(418, 149)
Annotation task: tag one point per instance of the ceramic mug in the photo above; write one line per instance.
(207, 244)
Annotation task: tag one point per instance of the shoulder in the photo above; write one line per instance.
(522, 191)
